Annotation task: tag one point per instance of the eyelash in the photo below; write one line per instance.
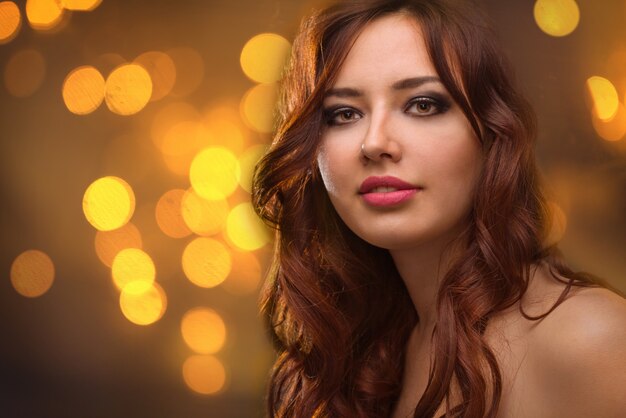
(331, 114)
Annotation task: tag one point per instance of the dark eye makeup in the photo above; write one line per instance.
(424, 105)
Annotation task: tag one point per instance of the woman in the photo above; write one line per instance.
(412, 276)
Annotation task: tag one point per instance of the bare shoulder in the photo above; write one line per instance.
(580, 355)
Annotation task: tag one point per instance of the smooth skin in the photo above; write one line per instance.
(388, 114)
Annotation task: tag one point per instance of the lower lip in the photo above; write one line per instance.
(388, 198)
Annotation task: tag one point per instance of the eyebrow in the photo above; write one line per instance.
(406, 83)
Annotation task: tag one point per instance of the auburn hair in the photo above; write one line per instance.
(336, 307)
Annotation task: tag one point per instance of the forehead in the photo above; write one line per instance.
(389, 48)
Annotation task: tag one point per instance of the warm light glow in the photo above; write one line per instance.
(24, 73)
(214, 173)
(189, 69)
(224, 123)
(181, 143)
(162, 72)
(557, 17)
(170, 115)
(143, 306)
(10, 21)
(108, 203)
(613, 129)
(204, 374)
(44, 14)
(206, 262)
(83, 90)
(245, 275)
(128, 89)
(604, 97)
(244, 228)
(82, 5)
(109, 243)
(247, 162)
(558, 224)
(169, 214)
(203, 330)
(32, 273)
(202, 216)
(132, 265)
(264, 56)
(258, 106)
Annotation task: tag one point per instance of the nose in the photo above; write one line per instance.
(378, 143)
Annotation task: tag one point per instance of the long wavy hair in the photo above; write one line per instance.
(336, 307)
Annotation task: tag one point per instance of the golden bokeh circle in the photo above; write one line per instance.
(556, 17)
(43, 14)
(204, 374)
(247, 161)
(81, 5)
(258, 107)
(264, 56)
(203, 330)
(128, 89)
(214, 173)
(132, 265)
(206, 262)
(32, 273)
(245, 229)
(141, 305)
(162, 71)
(83, 90)
(202, 216)
(604, 97)
(10, 21)
(109, 243)
(169, 215)
(108, 203)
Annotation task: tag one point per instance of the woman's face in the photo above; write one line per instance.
(398, 158)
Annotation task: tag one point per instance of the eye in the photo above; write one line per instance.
(341, 116)
(426, 106)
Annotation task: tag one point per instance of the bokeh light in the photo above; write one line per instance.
(215, 173)
(245, 229)
(44, 14)
(24, 73)
(10, 21)
(181, 143)
(189, 69)
(168, 116)
(132, 265)
(613, 129)
(143, 306)
(169, 214)
(81, 5)
(258, 107)
(245, 275)
(202, 216)
(224, 123)
(108, 203)
(604, 97)
(32, 273)
(204, 374)
(206, 262)
(557, 17)
(203, 330)
(83, 90)
(109, 243)
(264, 56)
(128, 89)
(162, 72)
(248, 160)
(558, 224)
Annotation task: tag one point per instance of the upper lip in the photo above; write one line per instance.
(371, 183)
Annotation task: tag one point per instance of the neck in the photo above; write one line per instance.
(422, 269)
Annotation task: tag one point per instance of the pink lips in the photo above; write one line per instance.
(404, 191)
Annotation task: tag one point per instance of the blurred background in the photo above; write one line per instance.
(130, 256)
